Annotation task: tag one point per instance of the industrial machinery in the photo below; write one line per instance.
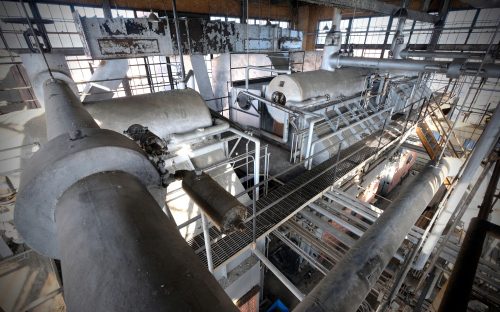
(162, 198)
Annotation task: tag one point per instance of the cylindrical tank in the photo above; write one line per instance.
(299, 87)
(163, 113)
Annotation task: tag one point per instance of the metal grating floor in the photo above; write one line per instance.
(285, 200)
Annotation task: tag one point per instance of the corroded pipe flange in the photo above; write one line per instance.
(62, 162)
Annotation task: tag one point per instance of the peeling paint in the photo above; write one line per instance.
(131, 37)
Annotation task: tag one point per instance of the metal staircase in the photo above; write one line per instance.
(437, 120)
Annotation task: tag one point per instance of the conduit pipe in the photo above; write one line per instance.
(455, 55)
(348, 284)
(449, 68)
(189, 137)
(318, 100)
(484, 145)
(294, 290)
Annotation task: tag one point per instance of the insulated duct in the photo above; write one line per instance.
(347, 285)
(85, 198)
(451, 69)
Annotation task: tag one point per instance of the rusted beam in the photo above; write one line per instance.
(378, 7)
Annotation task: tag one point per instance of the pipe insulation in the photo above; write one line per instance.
(64, 111)
(451, 69)
(164, 113)
(348, 284)
(86, 198)
(120, 252)
(484, 145)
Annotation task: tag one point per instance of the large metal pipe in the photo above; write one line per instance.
(458, 291)
(164, 113)
(119, 251)
(84, 198)
(440, 54)
(348, 284)
(449, 68)
(64, 111)
(484, 145)
(194, 135)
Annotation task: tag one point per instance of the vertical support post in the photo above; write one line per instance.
(254, 219)
(179, 45)
(294, 290)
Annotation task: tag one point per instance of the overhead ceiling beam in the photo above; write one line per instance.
(377, 6)
(482, 4)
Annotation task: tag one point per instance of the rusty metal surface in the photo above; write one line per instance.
(105, 38)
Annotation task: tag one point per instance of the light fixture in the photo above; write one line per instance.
(326, 28)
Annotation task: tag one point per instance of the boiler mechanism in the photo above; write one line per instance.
(307, 89)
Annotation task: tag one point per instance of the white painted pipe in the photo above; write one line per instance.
(310, 135)
(294, 290)
(256, 162)
(347, 285)
(484, 145)
(178, 138)
(266, 69)
(308, 103)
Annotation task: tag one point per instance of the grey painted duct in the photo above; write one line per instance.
(85, 198)
(451, 69)
(164, 113)
(345, 287)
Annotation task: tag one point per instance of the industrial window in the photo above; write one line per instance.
(377, 30)
(225, 19)
(252, 21)
(89, 11)
(233, 19)
(325, 26)
(12, 32)
(61, 34)
(358, 30)
(422, 32)
(144, 13)
(282, 24)
(373, 53)
(394, 27)
(457, 19)
(122, 13)
(145, 75)
(486, 18)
